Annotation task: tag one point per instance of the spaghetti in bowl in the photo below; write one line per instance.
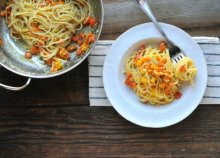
(153, 77)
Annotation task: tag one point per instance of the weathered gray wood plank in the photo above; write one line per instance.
(46, 132)
(196, 17)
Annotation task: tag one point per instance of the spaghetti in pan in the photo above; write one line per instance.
(50, 28)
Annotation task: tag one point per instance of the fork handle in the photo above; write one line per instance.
(146, 8)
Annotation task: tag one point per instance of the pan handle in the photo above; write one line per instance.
(16, 88)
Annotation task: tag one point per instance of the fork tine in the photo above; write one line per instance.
(175, 59)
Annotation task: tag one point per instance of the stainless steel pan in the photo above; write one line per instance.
(12, 52)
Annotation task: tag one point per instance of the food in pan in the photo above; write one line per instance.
(154, 78)
(51, 29)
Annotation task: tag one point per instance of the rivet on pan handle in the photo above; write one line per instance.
(16, 88)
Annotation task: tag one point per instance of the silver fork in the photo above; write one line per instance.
(175, 52)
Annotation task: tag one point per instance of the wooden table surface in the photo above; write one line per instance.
(52, 117)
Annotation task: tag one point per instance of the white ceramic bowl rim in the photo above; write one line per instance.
(124, 100)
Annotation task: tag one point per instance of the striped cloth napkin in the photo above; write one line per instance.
(209, 45)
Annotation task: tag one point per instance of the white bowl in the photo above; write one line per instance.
(126, 102)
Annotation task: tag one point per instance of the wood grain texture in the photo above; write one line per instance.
(195, 17)
(101, 132)
(66, 90)
(47, 120)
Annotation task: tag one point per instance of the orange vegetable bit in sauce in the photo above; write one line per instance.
(3, 13)
(82, 35)
(49, 62)
(90, 38)
(183, 68)
(90, 21)
(167, 91)
(158, 58)
(142, 48)
(164, 61)
(63, 54)
(137, 56)
(29, 33)
(129, 81)
(35, 24)
(75, 38)
(40, 44)
(35, 50)
(71, 48)
(1, 42)
(80, 42)
(79, 39)
(162, 85)
(43, 38)
(150, 71)
(177, 95)
(162, 46)
(82, 49)
(56, 65)
(84, 41)
(62, 2)
(35, 29)
(48, 1)
(28, 55)
(53, 3)
(79, 52)
(61, 44)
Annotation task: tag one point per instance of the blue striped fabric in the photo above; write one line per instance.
(210, 47)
